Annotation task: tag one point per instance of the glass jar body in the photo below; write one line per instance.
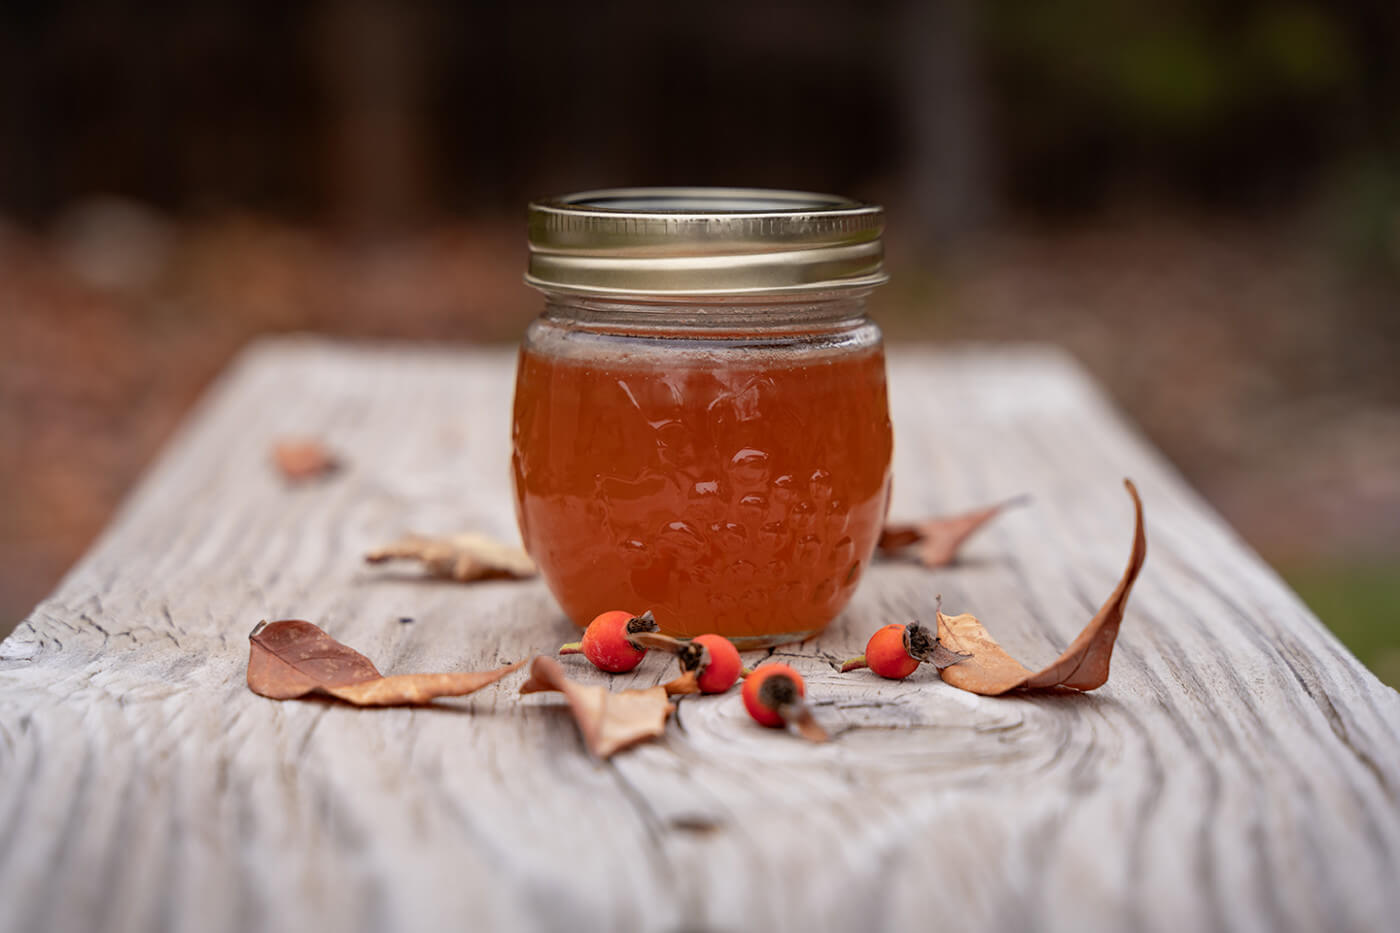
(723, 463)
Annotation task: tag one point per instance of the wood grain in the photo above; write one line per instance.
(1239, 771)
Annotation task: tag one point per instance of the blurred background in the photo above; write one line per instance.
(1200, 199)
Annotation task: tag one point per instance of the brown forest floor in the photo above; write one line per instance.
(1263, 369)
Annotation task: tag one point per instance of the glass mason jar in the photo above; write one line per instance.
(701, 426)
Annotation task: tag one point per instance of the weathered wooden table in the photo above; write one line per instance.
(1240, 769)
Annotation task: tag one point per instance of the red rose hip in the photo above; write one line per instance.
(895, 651)
(709, 663)
(609, 641)
(775, 696)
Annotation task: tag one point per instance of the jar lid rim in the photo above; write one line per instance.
(702, 202)
(703, 241)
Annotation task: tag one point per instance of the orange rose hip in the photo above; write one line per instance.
(609, 641)
(776, 696)
(896, 651)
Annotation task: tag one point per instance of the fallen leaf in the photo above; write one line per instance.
(939, 538)
(303, 458)
(464, 557)
(609, 721)
(683, 685)
(292, 658)
(1083, 666)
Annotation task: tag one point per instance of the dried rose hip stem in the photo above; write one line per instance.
(658, 641)
(922, 644)
(895, 651)
(687, 682)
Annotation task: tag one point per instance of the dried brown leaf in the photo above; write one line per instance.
(684, 685)
(463, 557)
(303, 458)
(1083, 666)
(292, 658)
(608, 721)
(938, 539)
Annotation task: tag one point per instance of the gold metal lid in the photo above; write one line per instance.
(704, 241)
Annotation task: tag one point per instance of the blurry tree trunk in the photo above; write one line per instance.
(371, 55)
(947, 178)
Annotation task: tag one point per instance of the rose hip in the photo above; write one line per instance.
(775, 696)
(609, 641)
(895, 651)
(709, 663)
(715, 661)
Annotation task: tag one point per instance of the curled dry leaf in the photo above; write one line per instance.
(938, 539)
(292, 658)
(303, 458)
(1083, 666)
(463, 557)
(608, 721)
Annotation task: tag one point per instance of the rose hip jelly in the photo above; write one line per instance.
(701, 426)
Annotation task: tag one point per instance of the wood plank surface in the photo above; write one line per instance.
(1240, 770)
